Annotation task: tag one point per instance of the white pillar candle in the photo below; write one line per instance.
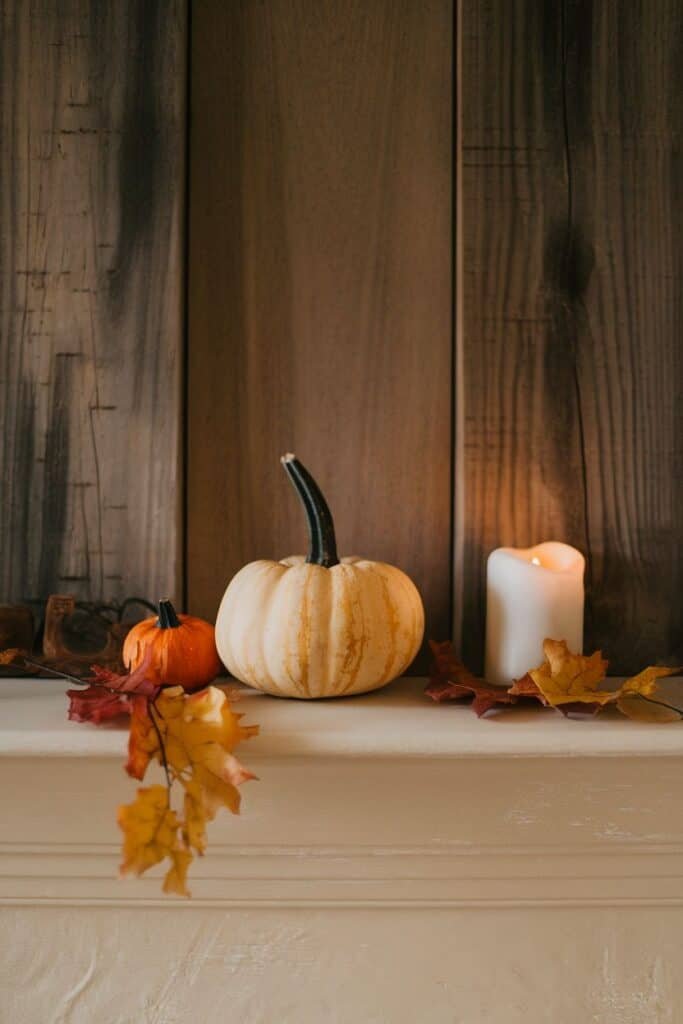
(531, 594)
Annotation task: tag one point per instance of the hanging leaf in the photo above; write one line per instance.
(150, 830)
(176, 876)
(144, 681)
(97, 705)
(192, 736)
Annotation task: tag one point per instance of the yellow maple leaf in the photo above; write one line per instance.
(646, 681)
(192, 736)
(150, 830)
(566, 678)
(176, 876)
(199, 732)
(195, 816)
(632, 699)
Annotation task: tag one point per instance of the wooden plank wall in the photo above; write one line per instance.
(572, 292)
(321, 294)
(320, 283)
(92, 127)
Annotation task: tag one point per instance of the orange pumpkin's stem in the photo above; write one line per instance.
(167, 616)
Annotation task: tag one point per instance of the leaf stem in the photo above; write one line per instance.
(60, 674)
(662, 704)
(162, 748)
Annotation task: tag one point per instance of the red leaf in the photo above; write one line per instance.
(144, 681)
(97, 705)
(139, 748)
(450, 680)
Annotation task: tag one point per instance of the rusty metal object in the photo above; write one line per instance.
(79, 636)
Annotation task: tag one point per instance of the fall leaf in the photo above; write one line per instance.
(142, 740)
(108, 696)
(176, 876)
(450, 680)
(526, 687)
(143, 681)
(150, 830)
(645, 682)
(95, 704)
(192, 736)
(9, 655)
(566, 678)
(643, 709)
(634, 697)
(194, 824)
(199, 731)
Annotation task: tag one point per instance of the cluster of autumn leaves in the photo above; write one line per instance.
(190, 735)
(566, 681)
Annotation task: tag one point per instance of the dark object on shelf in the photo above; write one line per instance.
(80, 635)
(16, 630)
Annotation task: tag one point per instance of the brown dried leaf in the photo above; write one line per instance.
(450, 680)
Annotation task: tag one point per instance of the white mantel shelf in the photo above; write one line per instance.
(397, 861)
(397, 721)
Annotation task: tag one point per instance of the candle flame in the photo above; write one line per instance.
(535, 560)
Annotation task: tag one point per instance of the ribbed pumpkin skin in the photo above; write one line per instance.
(301, 630)
(185, 656)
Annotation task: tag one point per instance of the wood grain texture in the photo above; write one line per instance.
(572, 296)
(91, 187)
(320, 284)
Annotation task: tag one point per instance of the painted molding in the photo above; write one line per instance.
(367, 825)
(621, 874)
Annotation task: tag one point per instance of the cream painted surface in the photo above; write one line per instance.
(366, 880)
(95, 965)
(299, 630)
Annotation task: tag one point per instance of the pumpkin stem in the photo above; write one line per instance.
(167, 616)
(323, 545)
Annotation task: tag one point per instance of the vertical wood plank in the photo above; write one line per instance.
(92, 188)
(572, 292)
(321, 283)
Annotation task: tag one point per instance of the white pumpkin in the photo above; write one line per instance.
(317, 626)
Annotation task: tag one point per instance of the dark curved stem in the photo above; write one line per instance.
(57, 672)
(167, 616)
(661, 703)
(153, 712)
(134, 600)
(323, 544)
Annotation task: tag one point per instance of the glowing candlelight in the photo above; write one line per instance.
(531, 594)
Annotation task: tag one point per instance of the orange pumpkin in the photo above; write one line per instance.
(183, 648)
